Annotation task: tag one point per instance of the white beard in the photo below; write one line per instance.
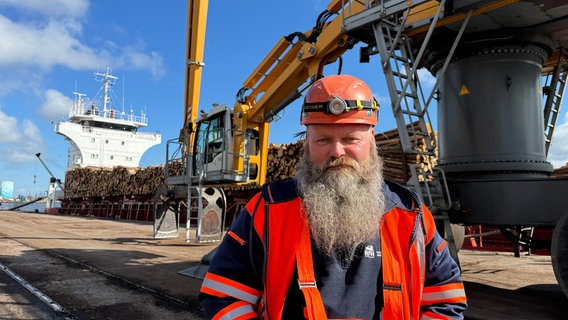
(344, 206)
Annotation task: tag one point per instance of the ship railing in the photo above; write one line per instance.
(93, 110)
(124, 210)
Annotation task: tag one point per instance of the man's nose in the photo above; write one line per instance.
(337, 149)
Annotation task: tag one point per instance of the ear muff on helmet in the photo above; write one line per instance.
(339, 99)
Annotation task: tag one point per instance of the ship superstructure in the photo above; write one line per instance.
(101, 135)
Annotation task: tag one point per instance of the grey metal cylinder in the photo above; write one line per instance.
(490, 116)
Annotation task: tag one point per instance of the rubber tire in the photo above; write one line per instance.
(459, 235)
(457, 230)
(559, 252)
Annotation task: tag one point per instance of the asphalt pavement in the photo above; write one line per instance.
(113, 269)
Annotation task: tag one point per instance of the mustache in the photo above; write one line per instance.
(341, 161)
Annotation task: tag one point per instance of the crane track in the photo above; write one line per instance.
(58, 310)
(192, 311)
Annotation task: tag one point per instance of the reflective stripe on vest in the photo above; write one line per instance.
(451, 292)
(237, 310)
(219, 286)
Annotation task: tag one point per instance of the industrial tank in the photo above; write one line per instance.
(490, 116)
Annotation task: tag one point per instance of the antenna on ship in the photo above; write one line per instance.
(108, 81)
(123, 89)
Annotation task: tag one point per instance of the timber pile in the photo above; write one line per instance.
(282, 162)
(396, 163)
(560, 172)
(117, 181)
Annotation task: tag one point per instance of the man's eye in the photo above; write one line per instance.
(350, 140)
(322, 141)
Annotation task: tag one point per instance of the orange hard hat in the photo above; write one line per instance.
(339, 99)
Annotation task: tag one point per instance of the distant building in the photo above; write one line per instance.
(7, 189)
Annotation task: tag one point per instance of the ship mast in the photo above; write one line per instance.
(108, 81)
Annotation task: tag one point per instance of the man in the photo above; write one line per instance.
(338, 241)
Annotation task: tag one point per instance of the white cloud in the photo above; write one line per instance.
(31, 132)
(56, 105)
(427, 80)
(59, 8)
(558, 154)
(43, 45)
(19, 142)
(50, 34)
(8, 129)
(137, 60)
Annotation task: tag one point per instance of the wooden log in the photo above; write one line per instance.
(282, 163)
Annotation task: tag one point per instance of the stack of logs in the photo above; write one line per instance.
(560, 172)
(96, 182)
(283, 160)
(397, 164)
(281, 164)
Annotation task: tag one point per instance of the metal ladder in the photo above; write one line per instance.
(194, 204)
(410, 108)
(194, 200)
(401, 74)
(553, 91)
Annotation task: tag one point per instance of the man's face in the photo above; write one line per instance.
(330, 142)
(340, 179)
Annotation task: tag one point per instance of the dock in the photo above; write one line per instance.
(68, 257)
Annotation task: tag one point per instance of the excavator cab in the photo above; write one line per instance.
(214, 159)
(210, 142)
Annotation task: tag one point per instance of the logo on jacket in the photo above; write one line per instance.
(370, 251)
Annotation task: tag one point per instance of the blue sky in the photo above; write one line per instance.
(51, 48)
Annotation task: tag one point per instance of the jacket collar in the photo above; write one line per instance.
(399, 196)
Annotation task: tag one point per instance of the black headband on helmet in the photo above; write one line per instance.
(338, 106)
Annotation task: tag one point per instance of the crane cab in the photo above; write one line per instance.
(215, 155)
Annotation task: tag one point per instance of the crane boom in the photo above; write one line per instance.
(196, 26)
(49, 171)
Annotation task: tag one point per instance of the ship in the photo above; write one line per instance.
(102, 135)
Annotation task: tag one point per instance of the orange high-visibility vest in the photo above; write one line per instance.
(280, 227)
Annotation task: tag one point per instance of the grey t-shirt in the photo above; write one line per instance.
(348, 287)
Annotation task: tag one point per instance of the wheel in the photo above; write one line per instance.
(211, 219)
(166, 219)
(559, 252)
(458, 231)
(459, 235)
